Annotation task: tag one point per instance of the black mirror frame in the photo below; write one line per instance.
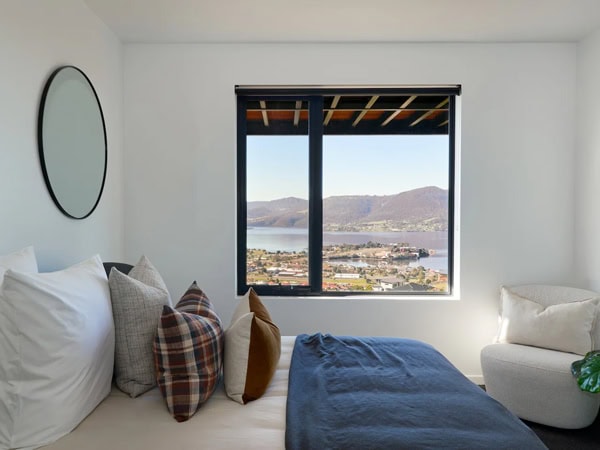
(41, 141)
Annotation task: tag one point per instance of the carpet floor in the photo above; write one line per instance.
(557, 439)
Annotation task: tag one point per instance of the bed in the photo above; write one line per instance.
(316, 391)
(144, 423)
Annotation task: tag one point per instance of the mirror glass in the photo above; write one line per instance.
(72, 142)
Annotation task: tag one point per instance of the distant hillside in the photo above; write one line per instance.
(423, 209)
(284, 212)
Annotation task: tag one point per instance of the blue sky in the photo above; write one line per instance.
(352, 165)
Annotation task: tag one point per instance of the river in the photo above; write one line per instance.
(296, 240)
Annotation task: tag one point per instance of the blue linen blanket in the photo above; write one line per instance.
(390, 393)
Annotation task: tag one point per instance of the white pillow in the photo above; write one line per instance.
(58, 351)
(565, 327)
(24, 260)
(21, 260)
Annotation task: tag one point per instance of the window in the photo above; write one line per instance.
(345, 190)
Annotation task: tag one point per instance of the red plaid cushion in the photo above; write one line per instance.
(188, 353)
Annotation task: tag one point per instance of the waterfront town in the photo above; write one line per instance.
(350, 267)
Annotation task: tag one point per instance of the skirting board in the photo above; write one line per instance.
(477, 379)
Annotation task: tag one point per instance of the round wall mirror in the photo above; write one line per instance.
(72, 142)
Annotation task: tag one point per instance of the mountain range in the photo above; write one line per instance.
(422, 209)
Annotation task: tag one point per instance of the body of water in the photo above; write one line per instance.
(296, 240)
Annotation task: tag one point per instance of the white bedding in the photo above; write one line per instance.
(144, 423)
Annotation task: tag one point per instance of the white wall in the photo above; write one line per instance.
(518, 170)
(35, 38)
(516, 191)
(587, 193)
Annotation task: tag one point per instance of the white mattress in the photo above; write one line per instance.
(144, 423)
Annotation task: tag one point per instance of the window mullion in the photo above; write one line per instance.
(451, 178)
(315, 222)
(242, 212)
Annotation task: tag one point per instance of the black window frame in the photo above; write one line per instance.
(315, 95)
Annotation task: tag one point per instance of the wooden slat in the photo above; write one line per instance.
(364, 111)
(334, 104)
(403, 106)
(428, 113)
(265, 116)
(297, 112)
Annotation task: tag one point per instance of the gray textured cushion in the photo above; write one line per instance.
(137, 301)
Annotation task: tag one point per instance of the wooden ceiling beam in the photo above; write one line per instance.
(297, 112)
(367, 108)
(334, 104)
(265, 116)
(428, 113)
(403, 107)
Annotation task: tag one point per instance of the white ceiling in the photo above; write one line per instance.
(349, 20)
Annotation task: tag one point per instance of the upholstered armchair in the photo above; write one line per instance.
(543, 330)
